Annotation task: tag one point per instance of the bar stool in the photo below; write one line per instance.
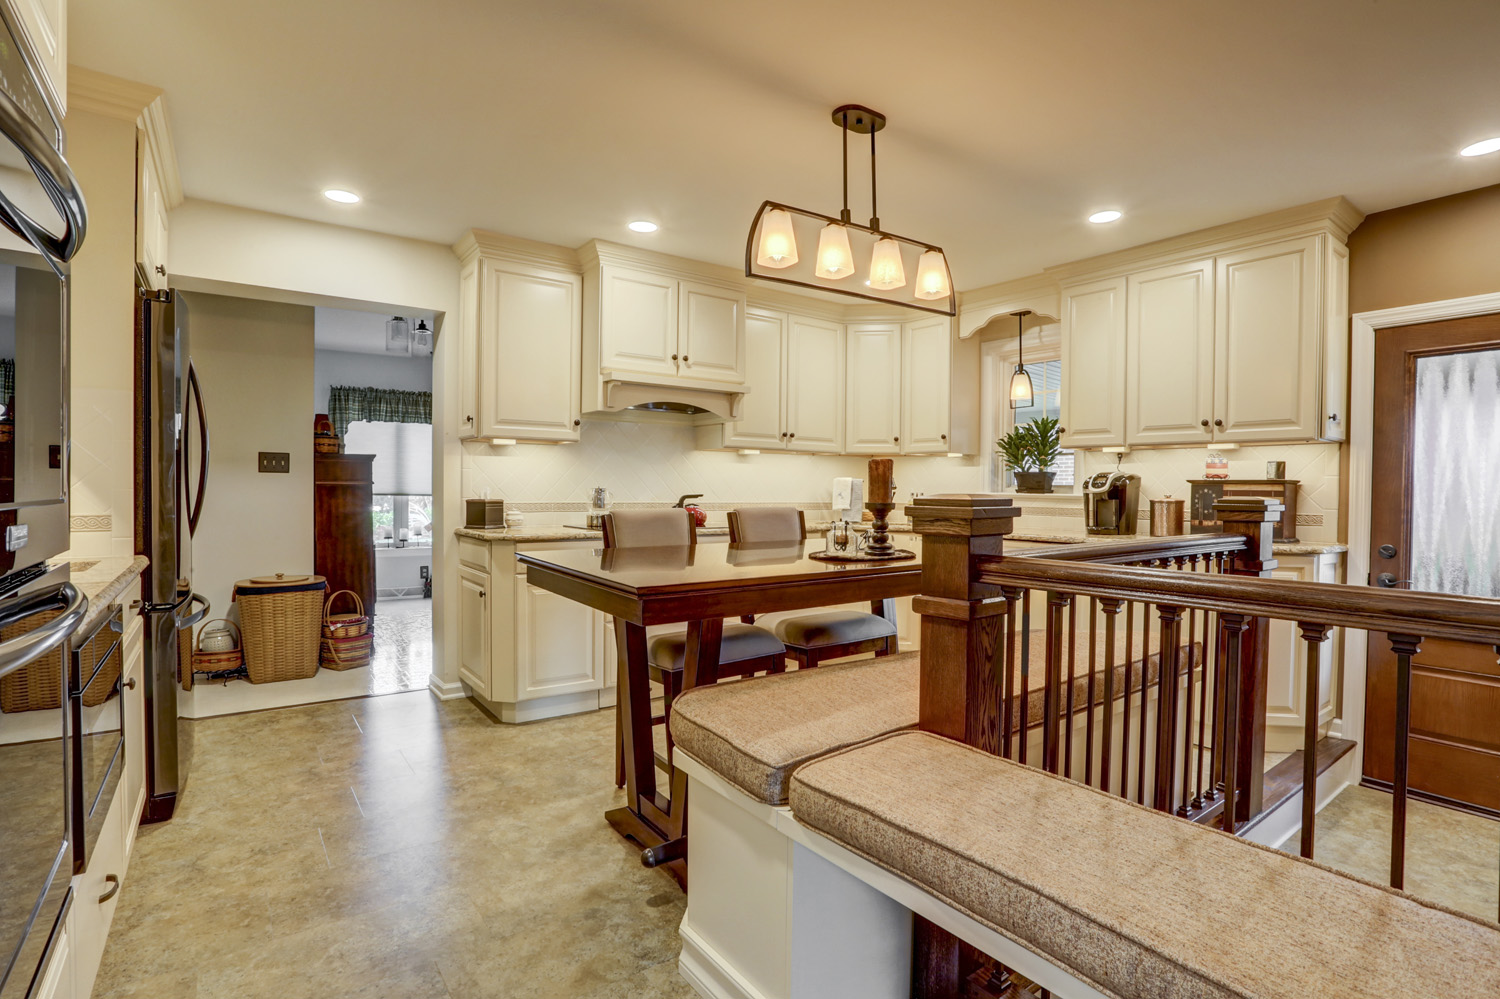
(814, 638)
(744, 649)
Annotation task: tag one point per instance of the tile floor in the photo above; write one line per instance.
(395, 847)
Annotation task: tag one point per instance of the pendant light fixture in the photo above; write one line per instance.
(843, 245)
(421, 337)
(398, 335)
(1021, 393)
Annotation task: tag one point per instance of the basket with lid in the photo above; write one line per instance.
(281, 619)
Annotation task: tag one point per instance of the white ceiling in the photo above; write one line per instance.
(1009, 122)
(352, 330)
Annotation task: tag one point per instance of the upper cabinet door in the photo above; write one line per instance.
(873, 389)
(150, 219)
(1334, 415)
(712, 337)
(638, 322)
(815, 385)
(760, 422)
(1268, 381)
(531, 326)
(924, 407)
(45, 24)
(468, 350)
(1170, 355)
(1093, 356)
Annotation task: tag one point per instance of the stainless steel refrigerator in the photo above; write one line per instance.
(171, 479)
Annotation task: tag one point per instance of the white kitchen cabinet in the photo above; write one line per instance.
(1169, 388)
(815, 385)
(925, 384)
(530, 335)
(150, 218)
(1093, 356)
(1268, 343)
(1334, 411)
(873, 388)
(133, 690)
(637, 321)
(520, 341)
(44, 23)
(1286, 661)
(760, 422)
(474, 629)
(57, 977)
(711, 337)
(555, 643)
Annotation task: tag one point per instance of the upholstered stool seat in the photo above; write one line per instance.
(740, 642)
(814, 631)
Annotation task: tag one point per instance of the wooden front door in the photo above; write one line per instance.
(1435, 525)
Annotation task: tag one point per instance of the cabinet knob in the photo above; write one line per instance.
(1203, 422)
(942, 437)
(130, 684)
(1062, 430)
(684, 358)
(1218, 423)
(468, 419)
(1333, 417)
(791, 435)
(674, 357)
(896, 439)
(161, 269)
(577, 423)
(481, 594)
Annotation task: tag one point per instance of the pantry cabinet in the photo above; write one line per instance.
(520, 330)
(1169, 349)
(874, 398)
(1093, 360)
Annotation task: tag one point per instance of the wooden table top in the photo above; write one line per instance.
(662, 585)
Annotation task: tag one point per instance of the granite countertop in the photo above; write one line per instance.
(104, 581)
(531, 535)
(1076, 538)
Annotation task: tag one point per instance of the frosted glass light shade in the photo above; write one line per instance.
(778, 244)
(1020, 389)
(932, 276)
(886, 270)
(835, 259)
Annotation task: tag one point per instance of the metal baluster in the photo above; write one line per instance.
(1405, 646)
(1008, 686)
(1111, 611)
(1067, 729)
(1140, 751)
(1057, 603)
(1024, 725)
(1088, 741)
(1314, 635)
(1232, 627)
(1125, 711)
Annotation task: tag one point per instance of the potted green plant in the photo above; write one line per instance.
(1029, 450)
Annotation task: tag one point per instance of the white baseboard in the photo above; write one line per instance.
(1285, 820)
(702, 968)
(445, 690)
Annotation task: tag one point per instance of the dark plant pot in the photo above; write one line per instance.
(1034, 482)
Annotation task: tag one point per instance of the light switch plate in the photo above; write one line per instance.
(275, 461)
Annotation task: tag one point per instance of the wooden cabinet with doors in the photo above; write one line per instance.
(1169, 350)
(343, 534)
(520, 329)
(873, 406)
(1093, 362)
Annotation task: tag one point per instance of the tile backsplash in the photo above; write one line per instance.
(658, 461)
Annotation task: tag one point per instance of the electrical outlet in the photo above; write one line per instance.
(275, 461)
(426, 573)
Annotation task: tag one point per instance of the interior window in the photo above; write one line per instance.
(402, 473)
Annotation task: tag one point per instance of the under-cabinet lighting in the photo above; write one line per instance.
(1481, 148)
(503, 441)
(1099, 218)
(955, 454)
(749, 450)
(642, 225)
(341, 196)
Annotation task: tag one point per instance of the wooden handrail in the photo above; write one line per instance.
(1431, 615)
(1130, 550)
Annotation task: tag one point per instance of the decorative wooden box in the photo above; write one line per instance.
(1207, 492)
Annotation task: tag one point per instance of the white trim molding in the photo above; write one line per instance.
(1364, 326)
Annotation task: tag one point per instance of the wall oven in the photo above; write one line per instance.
(96, 729)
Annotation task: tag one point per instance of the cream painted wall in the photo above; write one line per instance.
(255, 364)
(102, 152)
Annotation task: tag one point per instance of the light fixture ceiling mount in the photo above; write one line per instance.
(771, 250)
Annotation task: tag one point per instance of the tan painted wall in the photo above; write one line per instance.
(1427, 252)
(255, 364)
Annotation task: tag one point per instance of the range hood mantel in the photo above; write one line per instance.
(630, 391)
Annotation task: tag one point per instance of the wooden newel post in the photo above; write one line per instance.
(1256, 519)
(961, 627)
(961, 618)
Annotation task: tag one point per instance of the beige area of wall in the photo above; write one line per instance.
(255, 365)
(1426, 252)
(101, 151)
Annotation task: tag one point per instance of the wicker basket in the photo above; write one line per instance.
(327, 444)
(38, 684)
(345, 625)
(280, 620)
(347, 653)
(205, 661)
(185, 658)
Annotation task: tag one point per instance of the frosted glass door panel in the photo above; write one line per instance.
(1455, 522)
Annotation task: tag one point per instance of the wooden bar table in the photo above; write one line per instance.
(700, 586)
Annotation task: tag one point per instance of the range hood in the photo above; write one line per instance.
(700, 401)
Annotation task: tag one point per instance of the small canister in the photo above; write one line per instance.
(1166, 517)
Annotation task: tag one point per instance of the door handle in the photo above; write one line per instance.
(1389, 580)
(195, 503)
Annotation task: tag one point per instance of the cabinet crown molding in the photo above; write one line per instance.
(126, 100)
(478, 242)
(1335, 217)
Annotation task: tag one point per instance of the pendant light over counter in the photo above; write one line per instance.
(851, 259)
(1021, 390)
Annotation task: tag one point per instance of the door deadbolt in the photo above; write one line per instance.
(1386, 551)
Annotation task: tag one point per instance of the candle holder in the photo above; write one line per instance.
(878, 544)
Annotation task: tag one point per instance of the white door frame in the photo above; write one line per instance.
(1365, 325)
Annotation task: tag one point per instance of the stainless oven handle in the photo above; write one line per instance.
(39, 641)
(196, 616)
(56, 178)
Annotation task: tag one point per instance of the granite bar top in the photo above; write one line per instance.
(1071, 538)
(531, 535)
(105, 581)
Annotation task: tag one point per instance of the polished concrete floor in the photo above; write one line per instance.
(393, 847)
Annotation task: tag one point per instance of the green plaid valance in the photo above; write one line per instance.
(348, 403)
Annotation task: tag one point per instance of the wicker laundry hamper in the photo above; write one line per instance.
(281, 618)
(348, 641)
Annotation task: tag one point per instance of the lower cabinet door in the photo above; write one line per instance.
(555, 644)
(474, 629)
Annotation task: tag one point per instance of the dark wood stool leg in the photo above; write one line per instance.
(671, 686)
(619, 746)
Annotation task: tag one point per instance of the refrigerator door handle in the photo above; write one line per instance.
(187, 621)
(195, 504)
(39, 641)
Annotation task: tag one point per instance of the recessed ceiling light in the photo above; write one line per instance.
(342, 197)
(641, 225)
(1481, 148)
(1099, 218)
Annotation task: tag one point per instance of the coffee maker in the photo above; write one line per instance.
(1110, 500)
